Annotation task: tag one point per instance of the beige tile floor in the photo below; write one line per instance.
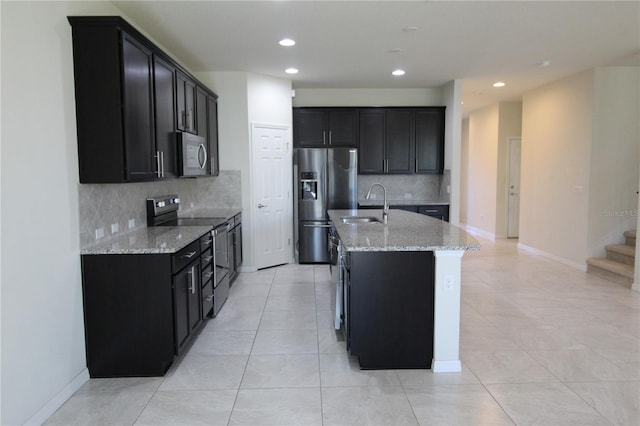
(541, 343)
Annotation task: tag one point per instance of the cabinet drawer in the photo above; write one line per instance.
(207, 273)
(438, 211)
(206, 258)
(207, 299)
(185, 256)
(206, 242)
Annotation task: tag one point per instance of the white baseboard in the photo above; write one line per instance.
(59, 399)
(478, 231)
(581, 267)
(453, 366)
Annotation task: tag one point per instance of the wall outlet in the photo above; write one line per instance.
(448, 189)
(132, 223)
(115, 228)
(408, 195)
(99, 233)
(448, 282)
(373, 196)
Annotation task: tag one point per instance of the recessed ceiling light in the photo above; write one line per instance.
(398, 72)
(395, 50)
(410, 29)
(544, 63)
(498, 84)
(287, 42)
(291, 70)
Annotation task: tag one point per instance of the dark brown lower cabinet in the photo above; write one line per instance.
(389, 304)
(140, 310)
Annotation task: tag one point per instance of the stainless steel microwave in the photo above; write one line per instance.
(192, 155)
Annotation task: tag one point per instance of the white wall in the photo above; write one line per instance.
(464, 172)
(452, 99)
(615, 150)
(368, 97)
(556, 154)
(483, 169)
(246, 98)
(42, 323)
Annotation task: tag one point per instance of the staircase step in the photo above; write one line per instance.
(630, 237)
(611, 270)
(621, 253)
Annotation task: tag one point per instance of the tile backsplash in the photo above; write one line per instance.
(104, 205)
(408, 187)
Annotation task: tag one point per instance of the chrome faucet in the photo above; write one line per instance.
(385, 207)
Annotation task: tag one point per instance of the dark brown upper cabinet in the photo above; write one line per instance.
(386, 141)
(430, 140)
(131, 98)
(323, 127)
(186, 98)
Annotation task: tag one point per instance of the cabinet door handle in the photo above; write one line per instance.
(162, 161)
(158, 168)
(189, 255)
(430, 211)
(329, 137)
(324, 139)
(192, 287)
(386, 166)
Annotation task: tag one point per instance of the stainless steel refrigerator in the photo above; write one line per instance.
(325, 179)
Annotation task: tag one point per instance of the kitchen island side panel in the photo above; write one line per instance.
(391, 305)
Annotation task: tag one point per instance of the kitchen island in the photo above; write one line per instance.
(403, 281)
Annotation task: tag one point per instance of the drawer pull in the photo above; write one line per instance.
(209, 298)
(189, 255)
(208, 275)
(431, 211)
(208, 258)
(207, 242)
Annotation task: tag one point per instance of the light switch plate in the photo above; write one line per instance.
(132, 223)
(115, 228)
(99, 233)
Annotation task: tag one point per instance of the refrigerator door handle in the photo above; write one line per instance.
(317, 226)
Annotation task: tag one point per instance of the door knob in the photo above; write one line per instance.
(261, 206)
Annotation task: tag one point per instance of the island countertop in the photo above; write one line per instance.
(404, 231)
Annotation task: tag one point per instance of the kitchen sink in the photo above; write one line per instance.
(360, 219)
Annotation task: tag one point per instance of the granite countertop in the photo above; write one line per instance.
(206, 212)
(403, 202)
(405, 231)
(150, 240)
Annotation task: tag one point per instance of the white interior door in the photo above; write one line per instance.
(271, 195)
(514, 187)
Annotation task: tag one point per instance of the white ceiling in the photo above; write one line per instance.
(347, 44)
